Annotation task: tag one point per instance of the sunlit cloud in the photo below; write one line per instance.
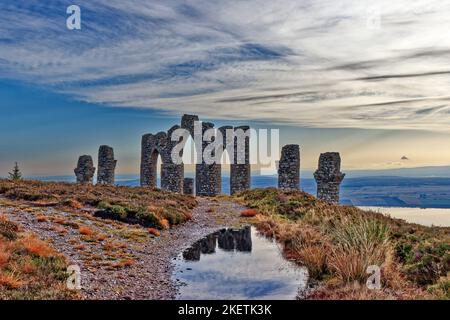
(333, 64)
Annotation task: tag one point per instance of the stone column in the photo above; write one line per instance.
(172, 171)
(329, 177)
(208, 179)
(106, 165)
(289, 168)
(149, 158)
(240, 170)
(187, 122)
(85, 170)
(188, 186)
(172, 177)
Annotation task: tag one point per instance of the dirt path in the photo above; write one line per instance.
(119, 261)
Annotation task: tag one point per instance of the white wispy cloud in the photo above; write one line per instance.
(309, 63)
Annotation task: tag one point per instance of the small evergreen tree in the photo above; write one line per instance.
(15, 175)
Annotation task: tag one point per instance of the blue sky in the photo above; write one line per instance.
(368, 80)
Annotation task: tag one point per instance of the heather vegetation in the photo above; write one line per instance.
(339, 243)
(148, 207)
(29, 267)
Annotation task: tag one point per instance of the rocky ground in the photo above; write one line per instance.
(118, 260)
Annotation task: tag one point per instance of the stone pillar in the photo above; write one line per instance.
(106, 165)
(329, 177)
(172, 177)
(149, 158)
(85, 170)
(187, 122)
(208, 180)
(289, 168)
(240, 170)
(188, 186)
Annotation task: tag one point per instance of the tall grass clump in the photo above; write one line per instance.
(358, 244)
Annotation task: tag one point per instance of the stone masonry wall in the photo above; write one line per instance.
(106, 165)
(188, 186)
(289, 168)
(208, 180)
(172, 177)
(240, 170)
(171, 174)
(85, 170)
(329, 177)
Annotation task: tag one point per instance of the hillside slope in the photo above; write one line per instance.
(339, 243)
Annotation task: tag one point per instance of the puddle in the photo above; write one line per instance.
(237, 264)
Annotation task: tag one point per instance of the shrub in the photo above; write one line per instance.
(148, 217)
(8, 229)
(103, 205)
(119, 212)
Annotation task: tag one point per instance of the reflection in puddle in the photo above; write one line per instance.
(237, 264)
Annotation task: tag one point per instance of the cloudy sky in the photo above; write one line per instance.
(368, 79)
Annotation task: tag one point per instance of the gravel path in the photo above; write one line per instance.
(119, 261)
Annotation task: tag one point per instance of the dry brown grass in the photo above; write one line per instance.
(248, 213)
(41, 218)
(37, 247)
(10, 281)
(5, 255)
(29, 267)
(102, 237)
(60, 221)
(125, 263)
(154, 232)
(164, 223)
(86, 231)
(338, 243)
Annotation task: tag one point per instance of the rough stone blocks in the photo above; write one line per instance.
(106, 165)
(289, 168)
(85, 170)
(208, 180)
(329, 177)
(188, 186)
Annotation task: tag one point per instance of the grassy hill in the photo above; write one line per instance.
(70, 219)
(339, 243)
(149, 207)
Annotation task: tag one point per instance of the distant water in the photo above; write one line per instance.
(426, 217)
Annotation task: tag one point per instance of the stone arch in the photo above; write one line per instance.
(208, 177)
(171, 173)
